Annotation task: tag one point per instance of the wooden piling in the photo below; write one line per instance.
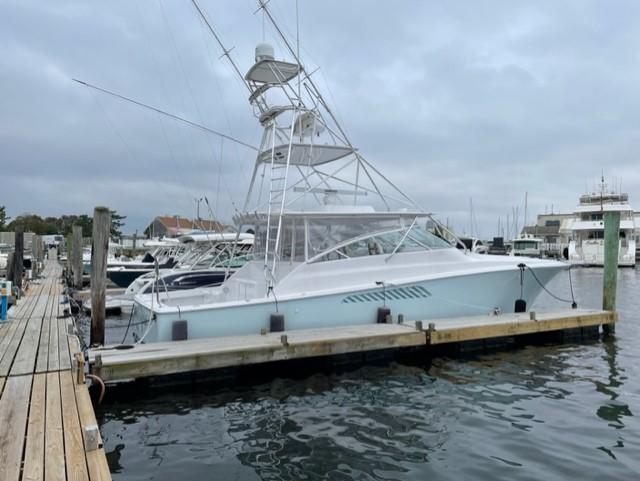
(18, 256)
(99, 251)
(76, 252)
(34, 256)
(9, 270)
(40, 254)
(610, 277)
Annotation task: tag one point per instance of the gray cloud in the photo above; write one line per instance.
(454, 100)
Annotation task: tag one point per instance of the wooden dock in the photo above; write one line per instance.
(167, 358)
(43, 411)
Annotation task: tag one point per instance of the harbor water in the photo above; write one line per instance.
(552, 412)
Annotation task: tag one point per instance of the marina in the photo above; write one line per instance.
(240, 270)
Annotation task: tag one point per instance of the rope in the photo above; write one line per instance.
(128, 325)
(572, 301)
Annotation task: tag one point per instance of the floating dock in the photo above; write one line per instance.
(168, 358)
(45, 415)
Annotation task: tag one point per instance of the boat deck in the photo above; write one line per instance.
(43, 411)
(165, 358)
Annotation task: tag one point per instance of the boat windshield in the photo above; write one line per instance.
(220, 254)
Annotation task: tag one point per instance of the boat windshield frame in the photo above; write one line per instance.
(388, 234)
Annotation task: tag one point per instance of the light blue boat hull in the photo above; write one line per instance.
(458, 296)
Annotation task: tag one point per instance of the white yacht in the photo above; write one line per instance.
(586, 229)
(336, 243)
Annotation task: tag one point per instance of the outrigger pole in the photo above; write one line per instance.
(164, 112)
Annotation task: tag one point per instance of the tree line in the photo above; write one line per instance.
(57, 225)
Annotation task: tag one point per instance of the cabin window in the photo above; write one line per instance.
(521, 245)
(385, 243)
(292, 240)
(325, 234)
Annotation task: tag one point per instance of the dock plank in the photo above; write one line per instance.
(96, 459)
(54, 461)
(14, 406)
(42, 361)
(63, 345)
(488, 327)
(12, 346)
(75, 461)
(202, 354)
(34, 448)
(54, 354)
(25, 358)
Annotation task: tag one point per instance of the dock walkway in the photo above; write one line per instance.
(43, 411)
(167, 358)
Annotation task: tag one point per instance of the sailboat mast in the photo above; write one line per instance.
(526, 199)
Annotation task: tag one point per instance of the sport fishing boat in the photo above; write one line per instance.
(336, 243)
(166, 253)
(208, 263)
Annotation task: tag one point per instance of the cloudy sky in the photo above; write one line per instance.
(455, 100)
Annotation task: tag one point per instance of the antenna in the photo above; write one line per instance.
(163, 112)
(225, 51)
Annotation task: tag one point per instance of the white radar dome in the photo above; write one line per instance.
(264, 51)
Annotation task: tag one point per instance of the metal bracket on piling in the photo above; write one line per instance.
(532, 316)
(419, 325)
(92, 438)
(284, 340)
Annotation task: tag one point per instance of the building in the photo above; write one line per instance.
(174, 226)
(552, 228)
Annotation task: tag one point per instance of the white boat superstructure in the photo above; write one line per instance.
(336, 242)
(586, 242)
(527, 246)
(207, 262)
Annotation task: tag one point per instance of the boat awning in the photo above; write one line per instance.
(214, 237)
(305, 154)
(272, 72)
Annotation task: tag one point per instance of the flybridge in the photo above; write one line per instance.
(305, 159)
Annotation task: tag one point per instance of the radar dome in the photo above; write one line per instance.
(264, 51)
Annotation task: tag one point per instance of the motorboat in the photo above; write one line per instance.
(336, 242)
(586, 229)
(164, 254)
(473, 244)
(208, 263)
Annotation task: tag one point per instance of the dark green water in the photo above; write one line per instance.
(555, 412)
